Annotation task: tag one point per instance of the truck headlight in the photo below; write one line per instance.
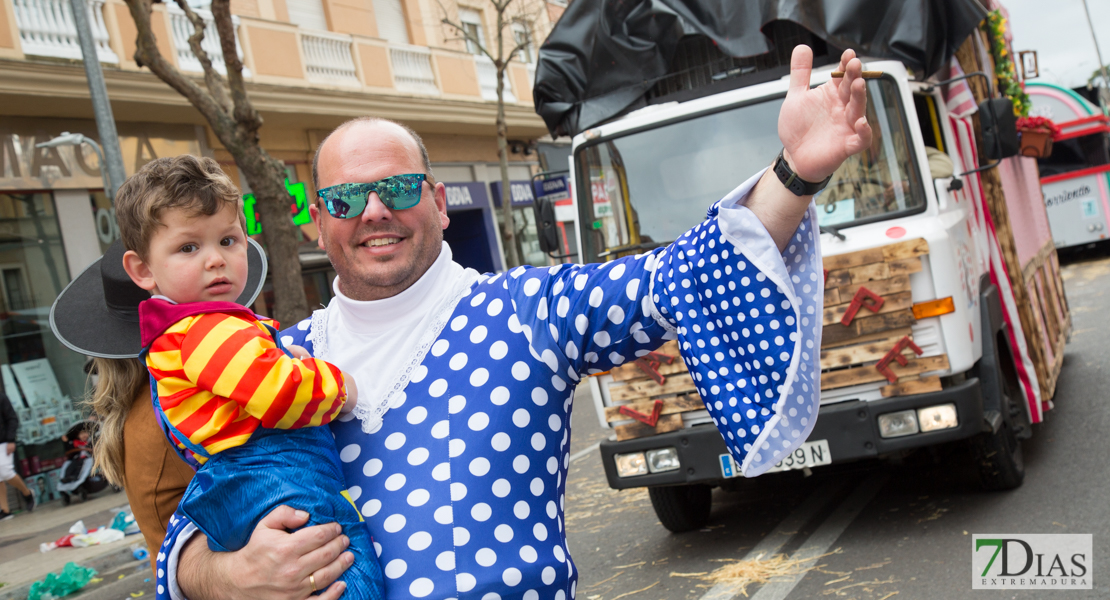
(630, 465)
(898, 424)
(662, 459)
(934, 418)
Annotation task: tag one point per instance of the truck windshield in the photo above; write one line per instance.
(646, 188)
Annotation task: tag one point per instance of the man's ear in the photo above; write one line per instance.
(441, 204)
(314, 212)
(138, 270)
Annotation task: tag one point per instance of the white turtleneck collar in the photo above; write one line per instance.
(381, 342)
(370, 317)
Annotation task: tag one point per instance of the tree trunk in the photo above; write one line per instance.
(266, 177)
(508, 228)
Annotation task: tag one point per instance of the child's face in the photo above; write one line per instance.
(194, 258)
(83, 436)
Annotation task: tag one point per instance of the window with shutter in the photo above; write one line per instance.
(308, 14)
(391, 21)
(471, 22)
(523, 38)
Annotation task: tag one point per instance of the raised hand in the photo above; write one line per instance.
(823, 126)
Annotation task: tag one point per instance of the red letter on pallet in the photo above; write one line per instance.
(895, 353)
(649, 363)
(864, 298)
(649, 420)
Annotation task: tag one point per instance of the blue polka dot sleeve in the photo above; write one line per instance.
(745, 316)
(588, 318)
(748, 326)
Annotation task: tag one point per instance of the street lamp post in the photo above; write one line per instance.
(1105, 90)
(111, 184)
(111, 158)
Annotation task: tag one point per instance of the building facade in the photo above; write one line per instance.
(309, 64)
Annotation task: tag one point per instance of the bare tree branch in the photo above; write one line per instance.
(244, 111)
(465, 35)
(212, 79)
(501, 62)
(148, 55)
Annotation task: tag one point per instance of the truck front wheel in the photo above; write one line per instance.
(682, 507)
(998, 455)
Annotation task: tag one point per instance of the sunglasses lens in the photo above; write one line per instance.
(345, 201)
(401, 191)
(348, 200)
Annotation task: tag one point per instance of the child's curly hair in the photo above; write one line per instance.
(195, 184)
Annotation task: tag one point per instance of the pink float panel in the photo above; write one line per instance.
(1028, 220)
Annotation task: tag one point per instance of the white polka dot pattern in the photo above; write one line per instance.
(463, 487)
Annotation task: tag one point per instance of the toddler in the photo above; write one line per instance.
(234, 402)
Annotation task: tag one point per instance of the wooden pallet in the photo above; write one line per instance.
(635, 388)
(849, 353)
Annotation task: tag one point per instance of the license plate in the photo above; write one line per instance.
(809, 454)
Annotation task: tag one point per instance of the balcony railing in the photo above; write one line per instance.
(327, 58)
(182, 30)
(487, 79)
(46, 28)
(412, 69)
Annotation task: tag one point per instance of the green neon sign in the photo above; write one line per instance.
(298, 208)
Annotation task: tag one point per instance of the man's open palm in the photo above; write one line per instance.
(823, 126)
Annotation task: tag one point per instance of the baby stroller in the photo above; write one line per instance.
(77, 475)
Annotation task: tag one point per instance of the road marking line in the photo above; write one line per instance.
(583, 452)
(825, 536)
(773, 542)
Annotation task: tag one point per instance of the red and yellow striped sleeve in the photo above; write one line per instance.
(236, 359)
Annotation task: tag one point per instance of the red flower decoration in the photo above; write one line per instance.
(1038, 123)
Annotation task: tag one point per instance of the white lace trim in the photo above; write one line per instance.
(655, 314)
(319, 333)
(372, 411)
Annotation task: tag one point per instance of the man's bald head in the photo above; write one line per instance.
(370, 123)
(380, 251)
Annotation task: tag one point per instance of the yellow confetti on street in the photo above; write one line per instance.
(635, 592)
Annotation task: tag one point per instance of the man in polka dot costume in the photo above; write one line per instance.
(457, 454)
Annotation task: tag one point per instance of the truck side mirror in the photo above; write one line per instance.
(1000, 137)
(546, 230)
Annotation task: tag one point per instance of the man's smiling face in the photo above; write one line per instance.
(381, 252)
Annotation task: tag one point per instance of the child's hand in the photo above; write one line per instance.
(352, 394)
(298, 351)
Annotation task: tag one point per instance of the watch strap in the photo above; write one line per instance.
(790, 179)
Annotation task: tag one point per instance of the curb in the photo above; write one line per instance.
(101, 564)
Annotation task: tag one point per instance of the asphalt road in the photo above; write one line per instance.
(901, 532)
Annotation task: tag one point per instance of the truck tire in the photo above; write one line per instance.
(998, 455)
(682, 507)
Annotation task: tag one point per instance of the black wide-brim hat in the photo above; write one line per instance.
(97, 314)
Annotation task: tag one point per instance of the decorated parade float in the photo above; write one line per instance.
(944, 317)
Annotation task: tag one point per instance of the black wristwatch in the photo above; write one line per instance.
(790, 179)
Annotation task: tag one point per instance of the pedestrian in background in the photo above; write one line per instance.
(9, 426)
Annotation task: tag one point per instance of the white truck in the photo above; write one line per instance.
(923, 342)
